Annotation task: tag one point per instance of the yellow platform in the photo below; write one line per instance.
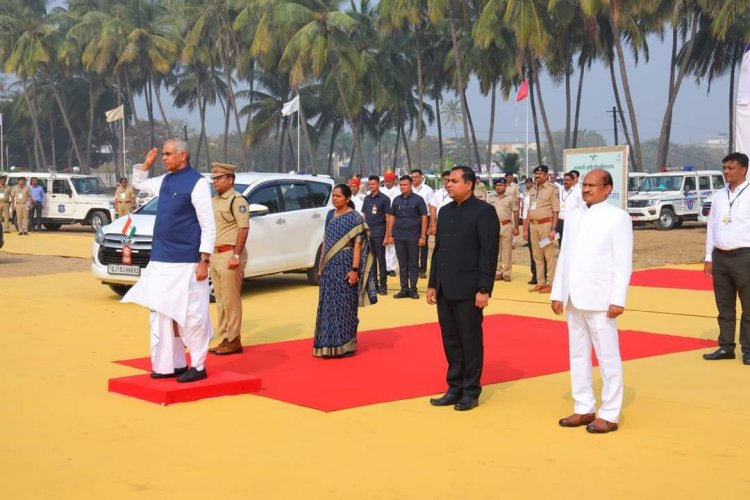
(684, 434)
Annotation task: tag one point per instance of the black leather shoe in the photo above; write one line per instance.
(446, 399)
(746, 358)
(466, 404)
(413, 295)
(720, 353)
(177, 372)
(192, 375)
(401, 295)
(392, 274)
(382, 291)
(532, 281)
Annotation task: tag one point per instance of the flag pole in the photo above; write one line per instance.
(526, 163)
(299, 103)
(2, 144)
(124, 171)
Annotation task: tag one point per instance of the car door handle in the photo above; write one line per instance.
(316, 216)
(280, 221)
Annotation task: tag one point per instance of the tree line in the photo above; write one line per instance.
(373, 70)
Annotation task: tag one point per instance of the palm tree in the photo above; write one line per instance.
(452, 115)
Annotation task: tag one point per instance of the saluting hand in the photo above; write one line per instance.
(150, 159)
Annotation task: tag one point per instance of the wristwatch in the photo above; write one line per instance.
(355, 269)
(236, 256)
(205, 259)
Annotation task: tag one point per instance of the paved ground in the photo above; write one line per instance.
(684, 434)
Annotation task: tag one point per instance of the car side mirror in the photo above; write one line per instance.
(256, 209)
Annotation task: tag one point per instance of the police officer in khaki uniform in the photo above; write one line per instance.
(124, 198)
(229, 257)
(507, 212)
(511, 188)
(5, 204)
(21, 198)
(540, 224)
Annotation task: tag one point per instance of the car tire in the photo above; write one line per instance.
(99, 219)
(120, 289)
(52, 226)
(312, 273)
(667, 219)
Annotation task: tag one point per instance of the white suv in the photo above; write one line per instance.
(287, 213)
(71, 199)
(669, 198)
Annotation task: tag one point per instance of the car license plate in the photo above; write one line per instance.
(123, 269)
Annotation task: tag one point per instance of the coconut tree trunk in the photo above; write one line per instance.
(460, 90)
(157, 92)
(406, 148)
(488, 161)
(550, 140)
(395, 149)
(148, 95)
(354, 123)
(90, 133)
(578, 105)
(138, 131)
(625, 130)
(52, 141)
(84, 166)
(440, 131)
(674, 88)
(732, 69)
(420, 92)
(628, 97)
(567, 108)
(39, 159)
(474, 144)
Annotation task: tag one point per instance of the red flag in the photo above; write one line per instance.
(523, 91)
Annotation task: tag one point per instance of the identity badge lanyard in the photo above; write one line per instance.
(728, 218)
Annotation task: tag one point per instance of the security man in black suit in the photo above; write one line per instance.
(461, 278)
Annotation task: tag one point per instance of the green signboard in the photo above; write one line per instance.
(613, 159)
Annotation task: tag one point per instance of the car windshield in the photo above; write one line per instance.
(662, 183)
(89, 185)
(150, 207)
(634, 183)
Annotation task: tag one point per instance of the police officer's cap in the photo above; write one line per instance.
(218, 169)
(541, 168)
(500, 180)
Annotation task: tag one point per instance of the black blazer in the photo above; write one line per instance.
(466, 245)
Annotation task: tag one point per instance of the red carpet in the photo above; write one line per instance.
(169, 391)
(672, 278)
(408, 362)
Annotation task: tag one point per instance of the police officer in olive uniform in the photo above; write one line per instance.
(229, 257)
(21, 196)
(544, 200)
(124, 198)
(5, 204)
(507, 212)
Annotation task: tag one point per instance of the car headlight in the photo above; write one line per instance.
(653, 203)
(99, 236)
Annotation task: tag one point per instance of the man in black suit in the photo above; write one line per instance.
(461, 278)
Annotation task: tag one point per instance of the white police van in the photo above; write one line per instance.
(71, 199)
(667, 199)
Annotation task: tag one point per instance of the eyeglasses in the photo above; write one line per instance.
(218, 177)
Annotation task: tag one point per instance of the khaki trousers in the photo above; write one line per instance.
(5, 215)
(22, 218)
(228, 290)
(505, 261)
(123, 209)
(543, 256)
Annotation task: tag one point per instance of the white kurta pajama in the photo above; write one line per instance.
(172, 293)
(391, 261)
(593, 272)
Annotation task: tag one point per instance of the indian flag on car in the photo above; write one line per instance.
(129, 228)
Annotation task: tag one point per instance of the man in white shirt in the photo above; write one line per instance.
(591, 280)
(570, 199)
(392, 190)
(174, 285)
(440, 198)
(525, 205)
(358, 198)
(420, 188)
(728, 256)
